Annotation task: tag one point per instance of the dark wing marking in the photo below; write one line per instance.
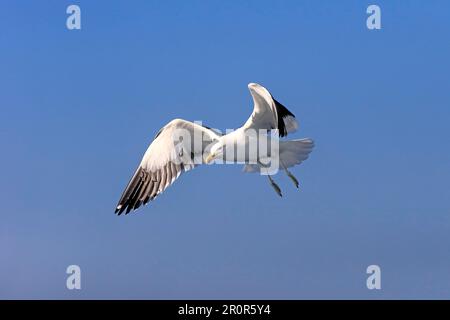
(144, 186)
(163, 162)
(213, 130)
(282, 113)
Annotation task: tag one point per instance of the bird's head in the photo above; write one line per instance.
(215, 152)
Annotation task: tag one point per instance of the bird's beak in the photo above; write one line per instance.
(210, 158)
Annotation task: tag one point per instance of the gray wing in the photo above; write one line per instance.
(171, 153)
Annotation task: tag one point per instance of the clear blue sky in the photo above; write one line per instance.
(79, 108)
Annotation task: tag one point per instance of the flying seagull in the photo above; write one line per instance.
(174, 151)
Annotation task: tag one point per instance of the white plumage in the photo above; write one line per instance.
(175, 149)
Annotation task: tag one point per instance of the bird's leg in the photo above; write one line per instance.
(272, 183)
(291, 176)
(275, 186)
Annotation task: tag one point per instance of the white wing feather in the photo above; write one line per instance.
(268, 113)
(172, 152)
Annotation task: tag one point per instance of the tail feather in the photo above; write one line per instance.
(294, 152)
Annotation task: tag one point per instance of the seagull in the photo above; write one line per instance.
(173, 151)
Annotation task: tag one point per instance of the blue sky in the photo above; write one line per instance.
(79, 108)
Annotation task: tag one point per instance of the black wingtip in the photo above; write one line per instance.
(282, 113)
(119, 209)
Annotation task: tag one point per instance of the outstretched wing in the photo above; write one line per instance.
(178, 147)
(268, 113)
